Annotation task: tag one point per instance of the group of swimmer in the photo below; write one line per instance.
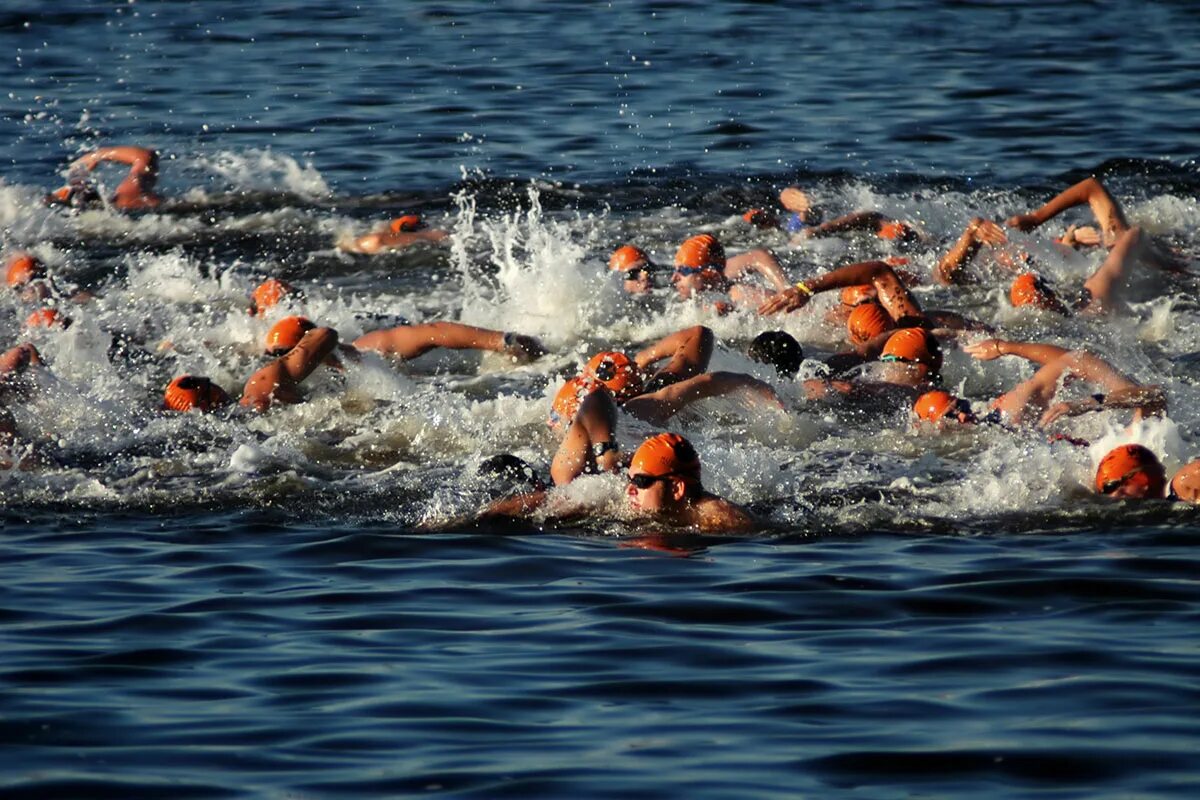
(893, 356)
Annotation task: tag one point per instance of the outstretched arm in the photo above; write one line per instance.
(892, 293)
(658, 407)
(308, 354)
(1107, 211)
(139, 159)
(856, 221)
(689, 351)
(991, 349)
(977, 233)
(410, 341)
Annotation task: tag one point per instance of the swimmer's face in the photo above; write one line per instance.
(638, 281)
(651, 494)
(687, 285)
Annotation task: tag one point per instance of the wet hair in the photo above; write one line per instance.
(512, 471)
(779, 349)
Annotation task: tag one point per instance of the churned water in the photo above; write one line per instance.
(298, 605)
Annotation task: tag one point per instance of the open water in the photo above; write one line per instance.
(298, 605)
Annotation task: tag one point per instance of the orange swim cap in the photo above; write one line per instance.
(568, 399)
(701, 252)
(1028, 289)
(47, 318)
(617, 372)
(855, 295)
(192, 391)
(1133, 466)
(915, 345)
(894, 230)
(406, 224)
(666, 454)
(286, 334)
(268, 293)
(867, 321)
(23, 268)
(934, 405)
(627, 258)
(760, 218)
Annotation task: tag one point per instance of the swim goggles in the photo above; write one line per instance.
(644, 481)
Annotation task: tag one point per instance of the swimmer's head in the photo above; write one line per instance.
(637, 266)
(937, 406)
(267, 294)
(47, 318)
(286, 334)
(567, 401)
(617, 372)
(857, 295)
(24, 268)
(1131, 471)
(913, 346)
(77, 194)
(664, 473)
(779, 349)
(189, 392)
(699, 265)
(895, 231)
(511, 471)
(867, 321)
(406, 224)
(1030, 289)
(1185, 485)
(760, 218)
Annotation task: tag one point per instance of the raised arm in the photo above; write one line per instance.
(689, 351)
(977, 233)
(590, 444)
(760, 261)
(1107, 211)
(1109, 278)
(139, 159)
(308, 354)
(658, 407)
(410, 341)
(1037, 392)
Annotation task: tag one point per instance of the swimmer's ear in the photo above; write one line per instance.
(678, 490)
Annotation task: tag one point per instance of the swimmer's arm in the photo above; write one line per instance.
(521, 505)
(990, 349)
(856, 221)
(760, 261)
(1145, 400)
(139, 159)
(689, 350)
(665, 403)
(1108, 278)
(950, 321)
(306, 356)
(410, 341)
(595, 422)
(892, 293)
(977, 233)
(1106, 210)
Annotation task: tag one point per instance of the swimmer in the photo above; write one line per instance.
(279, 381)
(638, 269)
(1133, 472)
(701, 267)
(1036, 394)
(909, 364)
(194, 392)
(779, 349)
(665, 484)
(26, 274)
(397, 234)
(802, 222)
(585, 413)
(268, 294)
(134, 193)
(15, 363)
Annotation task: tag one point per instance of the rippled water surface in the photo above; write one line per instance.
(297, 605)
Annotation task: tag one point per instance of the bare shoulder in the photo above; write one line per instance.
(718, 515)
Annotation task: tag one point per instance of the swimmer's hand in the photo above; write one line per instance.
(987, 350)
(1023, 222)
(1081, 236)
(790, 299)
(522, 349)
(1072, 409)
(984, 231)
(795, 200)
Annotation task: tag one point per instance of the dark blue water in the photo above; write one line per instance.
(293, 607)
